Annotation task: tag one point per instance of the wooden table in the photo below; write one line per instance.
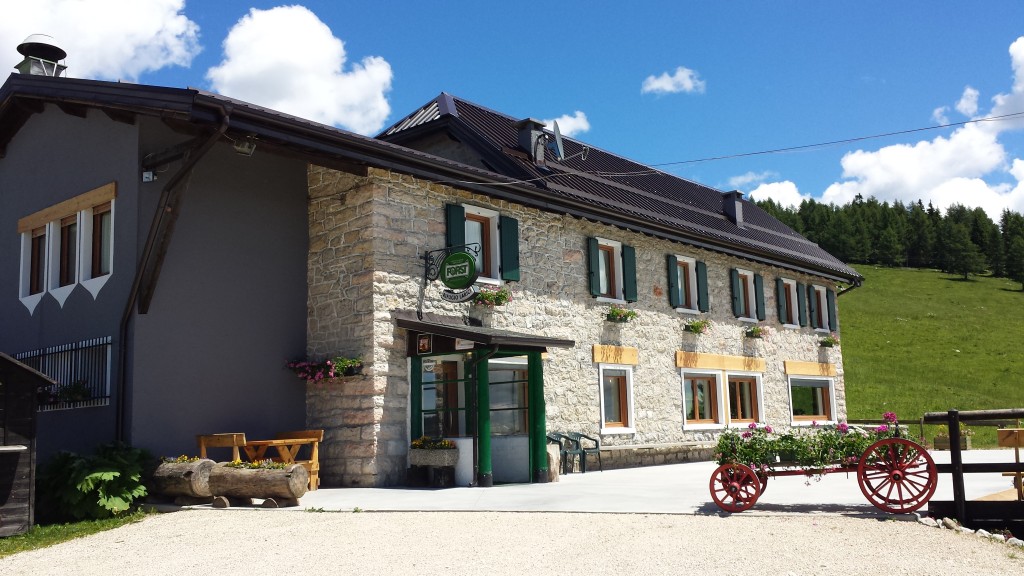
(287, 449)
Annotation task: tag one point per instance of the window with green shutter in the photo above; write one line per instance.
(611, 270)
(497, 235)
(687, 283)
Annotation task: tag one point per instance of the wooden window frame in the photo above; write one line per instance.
(827, 387)
(688, 298)
(97, 239)
(486, 243)
(610, 272)
(689, 383)
(67, 271)
(789, 291)
(624, 424)
(37, 261)
(821, 314)
(735, 398)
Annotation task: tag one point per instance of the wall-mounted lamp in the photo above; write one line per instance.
(246, 146)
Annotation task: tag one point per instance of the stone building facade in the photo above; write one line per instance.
(367, 238)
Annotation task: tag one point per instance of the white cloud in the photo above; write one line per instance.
(785, 193)
(749, 178)
(945, 170)
(105, 39)
(939, 115)
(683, 80)
(968, 104)
(288, 60)
(570, 125)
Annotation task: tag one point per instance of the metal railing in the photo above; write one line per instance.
(82, 370)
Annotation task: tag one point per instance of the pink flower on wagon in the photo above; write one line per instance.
(768, 429)
(746, 435)
(881, 429)
(752, 425)
(843, 427)
(889, 417)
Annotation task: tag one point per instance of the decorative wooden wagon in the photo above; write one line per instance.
(895, 474)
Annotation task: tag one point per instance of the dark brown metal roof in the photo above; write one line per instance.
(455, 328)
(619, 186)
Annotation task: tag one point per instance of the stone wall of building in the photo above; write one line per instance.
(367, 238)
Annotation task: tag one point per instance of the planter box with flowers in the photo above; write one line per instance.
(816, 450)
(829, 341)
(438, 452)
(697, 325)
(331, 368)
(618, 313)
(757, 331)
(941, 440)
(490, 296)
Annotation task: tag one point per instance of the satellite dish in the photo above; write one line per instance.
(558, 148)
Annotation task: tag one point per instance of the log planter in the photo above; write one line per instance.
(282, 485)
(183, 479)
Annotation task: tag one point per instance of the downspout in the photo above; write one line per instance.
(147, 254)
(476, 411)
(854, 286)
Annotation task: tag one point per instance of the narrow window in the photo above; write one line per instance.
(478, 230)
(685, 287)
(102, 238)
(616, 398)
(743, 399)
(606, 261)
(37, 268)
(68, 250)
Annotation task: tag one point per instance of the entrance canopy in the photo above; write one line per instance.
(452, 327)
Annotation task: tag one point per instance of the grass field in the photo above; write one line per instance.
(918, 341)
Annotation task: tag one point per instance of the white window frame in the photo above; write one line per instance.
(747, 277)
(617, 263)
(830, 384)
(61, 293)
(719, 399)
(631, 428)
(758, 383)
(687, 285)
(494, 250)
(821, 295)
(90, 283)
(789, 286)
(30, 301)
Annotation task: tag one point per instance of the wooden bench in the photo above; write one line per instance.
(287, 445)
(233, 440)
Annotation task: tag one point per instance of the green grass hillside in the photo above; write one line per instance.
(917, 341)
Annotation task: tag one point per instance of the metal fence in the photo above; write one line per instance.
(82, 370)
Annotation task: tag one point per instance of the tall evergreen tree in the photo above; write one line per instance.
(1015, 260)
(963, 256)
(920, 237)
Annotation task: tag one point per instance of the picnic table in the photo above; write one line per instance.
(286, 449)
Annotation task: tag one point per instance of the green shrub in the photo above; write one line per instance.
(91, 487)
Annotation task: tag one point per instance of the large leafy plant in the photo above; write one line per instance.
(92, 487)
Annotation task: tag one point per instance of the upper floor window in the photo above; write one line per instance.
(611, 270)
(747, 294)
(687, 284)
(822, 308)
(67, 244)
(497, 237)
(789, 302)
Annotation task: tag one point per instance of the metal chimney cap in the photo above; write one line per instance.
(42, 46)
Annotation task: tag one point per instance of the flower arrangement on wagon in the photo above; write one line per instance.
(815, 450)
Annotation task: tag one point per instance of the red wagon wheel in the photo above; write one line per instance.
(734, 487)
(897, 475)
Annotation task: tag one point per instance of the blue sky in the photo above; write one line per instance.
(748, 77)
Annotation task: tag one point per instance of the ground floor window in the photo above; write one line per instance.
(443, 398)
(744, 399)
(700, 399)
(509, 391)
(811, 399)
(616, 398)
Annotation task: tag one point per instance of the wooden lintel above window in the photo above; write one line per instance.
(719, 362)
(616, 355)
(797, 368)
(94, 197)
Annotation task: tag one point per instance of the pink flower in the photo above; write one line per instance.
(843, 427)
(768, 429)
(881, 429)
(752, 425)
(889, 417)
(746, 434)
(814, 423)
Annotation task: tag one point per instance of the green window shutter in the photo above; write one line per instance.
(833, 321)
(801, 304)
(629, 273)
(812, 301)
(780, 300)
(759, 295)
(702, 287)
(455, 225)
(737, 294)
(674, 296)
(594, 266)
(508, 230)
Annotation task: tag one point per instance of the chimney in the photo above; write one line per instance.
(732, 205)
(41, 56)
(532, 139)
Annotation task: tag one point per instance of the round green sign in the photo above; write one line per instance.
(458, 270)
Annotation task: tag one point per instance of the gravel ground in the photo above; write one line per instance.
(256, 542)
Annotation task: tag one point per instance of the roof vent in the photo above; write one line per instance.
(41, 56)
(532, 139)
(732, 205)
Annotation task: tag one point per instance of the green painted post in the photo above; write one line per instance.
(416, 397)
(485, 472)
(538, 418)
